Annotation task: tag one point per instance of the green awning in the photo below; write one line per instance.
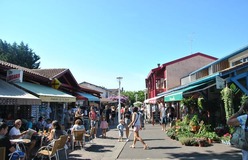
(46, 94)
(178, 95)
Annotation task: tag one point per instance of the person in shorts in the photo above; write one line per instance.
(136, 127)
(93, 118)
(127, 118)
(163, 117)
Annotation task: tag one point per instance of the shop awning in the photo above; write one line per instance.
(106, 100)
(153, 100)
(11, 95)
(89, 96)
(46, 94)
(178, 95)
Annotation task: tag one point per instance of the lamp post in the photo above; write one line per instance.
(136, 97)
(119, 102)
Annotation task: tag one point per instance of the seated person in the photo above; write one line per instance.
(41, 124)
(56, 131)
(48, 125)
(78, 126)
(4, 140)
(30, 122)
(15, 133)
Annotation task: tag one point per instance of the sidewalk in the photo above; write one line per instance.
(161, 147)
(101, 149)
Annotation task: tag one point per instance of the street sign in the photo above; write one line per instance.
(56, 83)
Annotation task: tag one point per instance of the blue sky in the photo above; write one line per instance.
(99, 40)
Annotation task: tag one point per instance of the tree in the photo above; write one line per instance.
(20, 55)
(132, 96)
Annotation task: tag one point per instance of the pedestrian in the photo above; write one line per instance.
(120, 127)
(78, 115)
(113, 113)
(170, 111)
(240, 120)
(142, 121)
(136, 125)
(163, 117)
(93, 118)
(104, 127)
(107, 113)
(127, 119)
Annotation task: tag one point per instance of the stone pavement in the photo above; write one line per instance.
(160, 147)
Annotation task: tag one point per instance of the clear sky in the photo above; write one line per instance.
(99, 40)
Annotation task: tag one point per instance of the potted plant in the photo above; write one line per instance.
(194, 123)
(187, 141)
(202, 142)
(226, 138)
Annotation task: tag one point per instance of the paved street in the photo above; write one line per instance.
(161, 147)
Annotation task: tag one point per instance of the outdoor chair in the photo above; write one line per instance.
(2, 152)
(62, 145)
(49, 151)
(78, 137)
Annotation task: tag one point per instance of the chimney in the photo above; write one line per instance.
(158, 64)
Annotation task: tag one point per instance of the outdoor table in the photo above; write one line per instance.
(20, 141)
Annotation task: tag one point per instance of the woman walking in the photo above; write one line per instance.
(136, 127)
(239, 119)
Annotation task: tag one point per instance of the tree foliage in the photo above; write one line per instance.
(19, 54)
(132, 96)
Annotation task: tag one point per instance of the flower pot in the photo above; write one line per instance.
(210, 140)
(201, 144)
(193, 128)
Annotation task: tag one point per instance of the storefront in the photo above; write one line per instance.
(54, 102)
(14, 102)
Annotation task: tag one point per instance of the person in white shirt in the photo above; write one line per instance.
(15, 133)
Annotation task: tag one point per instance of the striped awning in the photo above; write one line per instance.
(11, 95)
(46, 94)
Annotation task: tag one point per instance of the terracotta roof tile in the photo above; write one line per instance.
(13, 66)
(50, 73)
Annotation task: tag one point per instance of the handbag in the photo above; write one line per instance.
(239, 137)
(135, 120)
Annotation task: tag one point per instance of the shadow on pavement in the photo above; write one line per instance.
(206, 156)
(164, 147)
(99, 148)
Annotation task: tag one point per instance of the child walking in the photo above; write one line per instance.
(120, 127)
(104, 127)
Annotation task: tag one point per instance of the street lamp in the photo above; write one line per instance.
(119, 104)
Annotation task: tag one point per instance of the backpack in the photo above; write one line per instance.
(239, 137)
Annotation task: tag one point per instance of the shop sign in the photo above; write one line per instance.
(57, 99)
(14, 75)
(220, 82)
